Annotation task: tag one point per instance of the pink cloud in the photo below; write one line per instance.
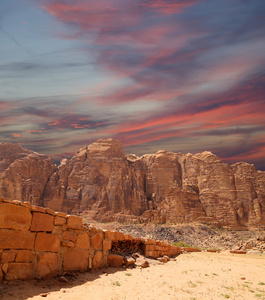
(170, 7)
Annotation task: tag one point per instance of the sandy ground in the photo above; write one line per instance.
(192, 276)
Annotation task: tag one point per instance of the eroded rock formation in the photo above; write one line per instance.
(101, 182)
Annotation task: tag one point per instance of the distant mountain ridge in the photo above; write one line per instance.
(103, 183)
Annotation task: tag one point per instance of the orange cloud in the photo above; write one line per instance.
(16, 135)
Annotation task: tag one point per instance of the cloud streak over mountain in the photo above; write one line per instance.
(156, 74)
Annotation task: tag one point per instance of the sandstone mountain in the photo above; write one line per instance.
(104, 184)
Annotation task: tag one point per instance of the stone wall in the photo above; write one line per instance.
(36, 242)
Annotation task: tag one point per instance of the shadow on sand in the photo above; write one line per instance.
(22, 290)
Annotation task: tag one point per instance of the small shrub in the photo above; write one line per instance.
(117, 283)
(128, 274)
(261, 283)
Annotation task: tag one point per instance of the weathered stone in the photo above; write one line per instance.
(115, 260)
(97, 260)
(48, 265)
(74, 222)
(47, 242)
(1, 274)
(128, 261)
(42, 222)
(68, 244)
(11, 239)
(162, 259)
(109, 235)
(82, 241)
(106, 185)
(96, 241)
(19, 271)
(5, 267)
(24, 256)
(107, 245)
(67, 235)
(75, 259)
(142, 262)
(14, 216)
(8, 256)
(59, 220)
(23, 173)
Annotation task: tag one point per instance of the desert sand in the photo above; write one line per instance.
(191, 276)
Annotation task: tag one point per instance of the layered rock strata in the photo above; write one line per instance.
(102, 183)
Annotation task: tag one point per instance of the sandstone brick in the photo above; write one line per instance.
(48, 265)
(59, 220)
(58, 229)
(8, 256)
(119, 236)
(47, 242)
(115, 260)
(107, 245)
(74, 222)
(11, 239)
(14, 216)
(50, 211)
(24, 256)
(128, 237)
(75, 260)
(5, 267)
(61, 214)
(97, 260)
(83, 241)
(17, 271)
(68, 244)
(42, 222)
(38, 209)
(96, 241)
(70, 236)
(109, 235)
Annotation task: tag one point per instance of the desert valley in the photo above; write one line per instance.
(212, 214)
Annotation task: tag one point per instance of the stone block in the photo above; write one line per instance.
(14, 216)
(82, 241)
(38, 209)
(96, 241)
(107, 245)
(97, 260)
(70, 236)
(5, 267)
(42, 222)
(74, 222)
(115, 260)
(11, 239)
(8, 256)
(50, 211)
(1, 274)
(68, 244)
(17, 271)
(61, 214)
(48, 265)
(119, 236)
(47, 242)
(59, 220)
(75, 259)
(109, 235)
(24, 256)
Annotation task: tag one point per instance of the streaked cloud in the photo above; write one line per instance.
(156, 74)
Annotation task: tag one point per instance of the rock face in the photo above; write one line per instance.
(102, 183)
(23, 173)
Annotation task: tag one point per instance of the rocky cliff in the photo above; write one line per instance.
(101, 182)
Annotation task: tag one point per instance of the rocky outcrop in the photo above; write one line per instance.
(101, 182)
(23, 173)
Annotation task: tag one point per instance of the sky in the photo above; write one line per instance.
(183, 76)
